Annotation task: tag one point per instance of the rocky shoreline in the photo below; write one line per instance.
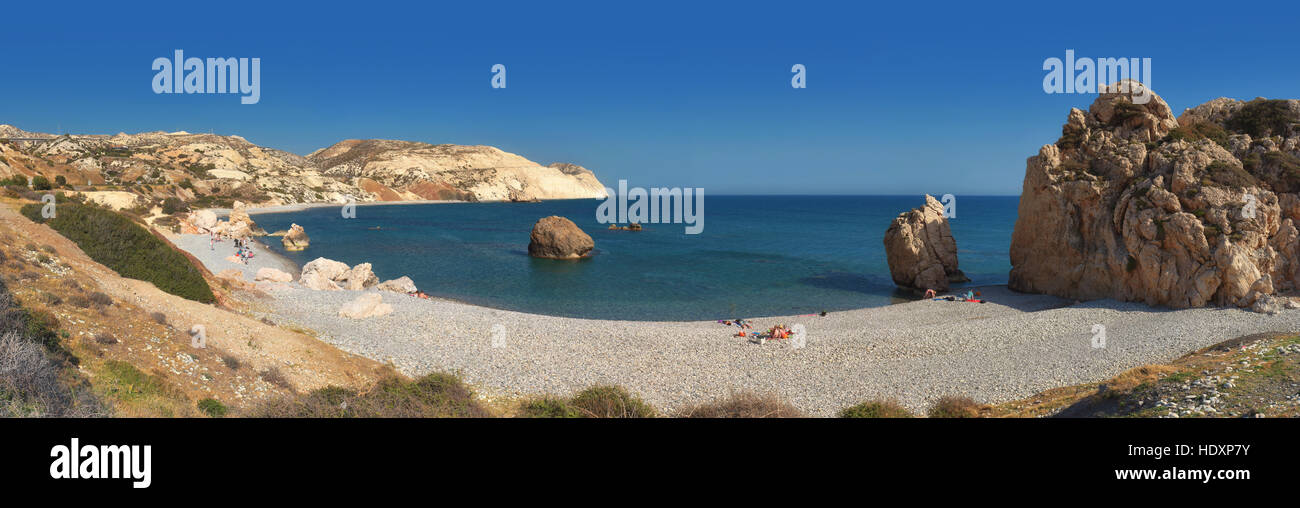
(1012, 347)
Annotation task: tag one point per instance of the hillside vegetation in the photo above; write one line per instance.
(128, 248)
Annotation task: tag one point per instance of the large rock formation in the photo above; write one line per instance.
(295, 239)
(556, 237)
(1134, 204)
(921, 251)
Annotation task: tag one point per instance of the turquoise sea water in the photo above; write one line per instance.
(757, 255)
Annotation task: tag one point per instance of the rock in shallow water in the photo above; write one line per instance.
(920, 249)
(556, 237)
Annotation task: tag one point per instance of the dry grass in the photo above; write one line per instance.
(744, 404)
(432, 396)
(956, 407)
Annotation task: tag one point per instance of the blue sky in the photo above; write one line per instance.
(904, 98)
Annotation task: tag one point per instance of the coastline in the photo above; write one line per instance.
(1010, 348)
(297, 207)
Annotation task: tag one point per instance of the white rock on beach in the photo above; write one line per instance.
(366, 306)
(401, 284)
(273, 275)
(326, 268)
(359, 277)
(318, 282)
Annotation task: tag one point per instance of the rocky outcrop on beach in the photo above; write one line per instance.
(199, 222)
(215, 171)
(366, 306)
(1134, 204)
(272, 275)
(556, 237)
(920, 249)
(401, 284)
(295, 239)
(329, 275)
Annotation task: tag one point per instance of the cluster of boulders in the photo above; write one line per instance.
(238, 225)
(556, 237)
(1134, 204)
(328, 275)
(921, 251)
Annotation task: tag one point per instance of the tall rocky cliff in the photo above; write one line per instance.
(1134, 204)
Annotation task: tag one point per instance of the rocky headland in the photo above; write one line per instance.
(1135, 204)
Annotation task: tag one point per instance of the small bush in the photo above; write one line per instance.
(158, 317)
(51, 299)
(1230, 175)
(106, 339)
(1199, 131)
(954, 407)
(80, 301)
(548, 407)
(123, 381)
(173, 205)
(101, 299)
(41, 183)
(231, 362)
(876, 409)
(608, 401)
(745, 405)
(212, 407)
(1263, 117)
(276, 378)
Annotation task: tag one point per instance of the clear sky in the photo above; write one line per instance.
(902, 98)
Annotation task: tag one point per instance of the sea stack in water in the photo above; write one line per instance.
(556, 237)
(1133, 204)
(295, 239)
(921, 251)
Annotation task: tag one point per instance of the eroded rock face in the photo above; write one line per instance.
(295, 239)
(1123, 206)
(921, 251)
(556, 237)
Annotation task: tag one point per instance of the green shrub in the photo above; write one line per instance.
(876, 409)
(548, 407)
(1263, 117)
(608, 401)
(129, 249)
(60, 180)
(1230, 175)
(41, 183)
(1199, 131)
(212, 407)
(125, 382)
(173, 205)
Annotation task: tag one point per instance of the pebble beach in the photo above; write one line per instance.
(1011, 347)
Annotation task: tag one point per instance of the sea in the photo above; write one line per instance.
(756, 255)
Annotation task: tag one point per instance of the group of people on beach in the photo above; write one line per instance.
(243, 248)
